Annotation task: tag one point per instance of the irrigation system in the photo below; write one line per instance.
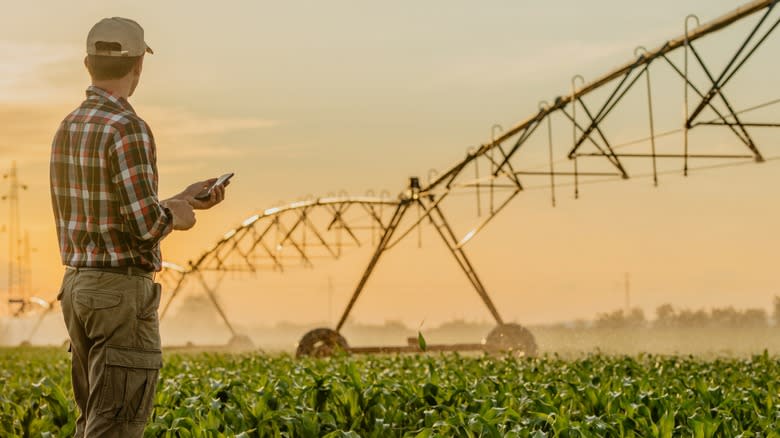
(499, 170)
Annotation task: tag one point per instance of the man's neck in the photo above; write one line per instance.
(117, 87)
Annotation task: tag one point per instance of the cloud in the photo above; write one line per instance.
(46, 75)
(191, 140)
(180, 158)
(187, 142)
(561, 57)
(172, 122)
(534, 65)
(24, 75)
(26, 130)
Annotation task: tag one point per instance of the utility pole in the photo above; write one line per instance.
(17, 292)
(27, 268)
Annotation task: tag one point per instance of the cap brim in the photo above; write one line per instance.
(149, 49)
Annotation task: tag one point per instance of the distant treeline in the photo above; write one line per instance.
(666, 316)
(197, 308)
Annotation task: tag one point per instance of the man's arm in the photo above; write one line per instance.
(182, 212)
(134, 174)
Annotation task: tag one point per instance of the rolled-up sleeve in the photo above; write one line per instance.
(134, 175)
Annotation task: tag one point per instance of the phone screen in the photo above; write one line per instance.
(205, 194)
(222, 180)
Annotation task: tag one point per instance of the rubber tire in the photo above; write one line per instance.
(512, 337)
(321, 342)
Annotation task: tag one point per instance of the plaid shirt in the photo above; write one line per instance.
(103, 176)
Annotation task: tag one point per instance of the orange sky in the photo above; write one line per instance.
(305, 99)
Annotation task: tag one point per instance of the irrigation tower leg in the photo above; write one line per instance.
(380, 249)
(175, 292)
(446, 233)
(213, 298)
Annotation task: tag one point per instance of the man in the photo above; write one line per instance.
(109, 226)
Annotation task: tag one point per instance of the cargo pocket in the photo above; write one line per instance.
(129, 384)
(149, 303)
(147, 327)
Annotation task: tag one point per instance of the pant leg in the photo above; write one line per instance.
(118, 315)
(79, 349)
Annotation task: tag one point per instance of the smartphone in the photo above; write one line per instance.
(206, 193)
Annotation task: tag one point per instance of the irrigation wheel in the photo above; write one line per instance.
(512, 337)
(321, 342)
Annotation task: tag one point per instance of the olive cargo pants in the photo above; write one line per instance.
(115, 341)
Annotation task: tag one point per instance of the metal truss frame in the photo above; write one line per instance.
(500, 152)
(317, 228)
(500, 155)
(434, 214)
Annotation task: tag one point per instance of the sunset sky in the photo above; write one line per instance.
(310, 98)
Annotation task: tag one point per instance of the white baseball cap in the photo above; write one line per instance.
(123, 31)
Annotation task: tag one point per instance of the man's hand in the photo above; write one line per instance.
(189, 194)
(183, 214)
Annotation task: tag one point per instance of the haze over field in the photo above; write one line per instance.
(355, 97)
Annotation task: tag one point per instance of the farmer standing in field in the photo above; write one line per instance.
(109, 225)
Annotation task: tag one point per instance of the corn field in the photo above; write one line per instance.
(252, 395)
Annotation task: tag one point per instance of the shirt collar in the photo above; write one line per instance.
(94, 92)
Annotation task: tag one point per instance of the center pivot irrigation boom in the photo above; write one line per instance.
(324, 226)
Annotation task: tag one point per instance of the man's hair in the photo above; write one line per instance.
(110, 67)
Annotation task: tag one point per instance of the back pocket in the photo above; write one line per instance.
(97, 299)
(129, 383)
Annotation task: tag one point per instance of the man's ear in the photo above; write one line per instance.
(88, 65)
(139, 66)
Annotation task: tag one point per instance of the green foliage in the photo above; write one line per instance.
(214, 395)
(421, 342)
